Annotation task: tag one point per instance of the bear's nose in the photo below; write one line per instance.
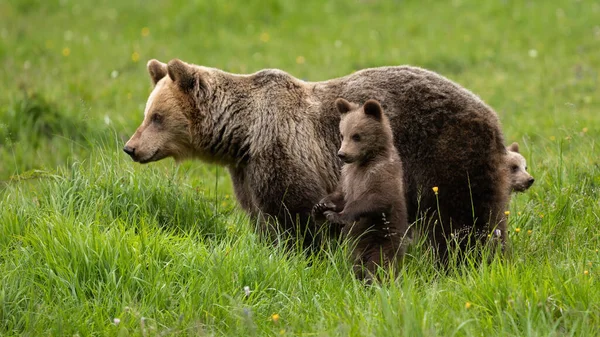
(530, 181)
(129, 150)
(342, 155)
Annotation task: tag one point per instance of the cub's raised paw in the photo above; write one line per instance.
(320, 208)
(332, 217)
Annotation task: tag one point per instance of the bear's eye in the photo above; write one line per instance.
(356, 137)
(515, 168)
(156, 118)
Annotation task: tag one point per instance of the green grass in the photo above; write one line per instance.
(86, 236)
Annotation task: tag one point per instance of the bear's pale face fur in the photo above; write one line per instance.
(279, 137)
(520, 179)
(166, 129)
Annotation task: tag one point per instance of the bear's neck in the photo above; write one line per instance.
(226, 123)
(245, 113)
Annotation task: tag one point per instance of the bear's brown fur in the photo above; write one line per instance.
(370, 191)
(520, 179)
(278, 137)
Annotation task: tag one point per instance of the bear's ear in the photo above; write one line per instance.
(373, 109)
(514, 147)
(343, 106)
(181, 73)
(157, 70)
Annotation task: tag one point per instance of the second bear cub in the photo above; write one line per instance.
(520, 179)
(369, 201)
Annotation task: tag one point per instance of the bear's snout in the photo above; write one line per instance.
(530, 182)
(342, 155)
(129, 150)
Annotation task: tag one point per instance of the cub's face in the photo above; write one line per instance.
(520, 179)
(361, 130)
(165, 130)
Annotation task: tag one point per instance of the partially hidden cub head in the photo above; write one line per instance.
(365, 131)
(520, 179)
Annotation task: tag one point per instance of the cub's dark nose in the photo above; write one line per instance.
(129, 150)
(342, 155)
(530, 182)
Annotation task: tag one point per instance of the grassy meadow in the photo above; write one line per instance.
(92, 244)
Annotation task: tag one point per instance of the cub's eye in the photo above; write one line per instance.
(514, 168)
(342, 136)
(356, 137)
(156, 118)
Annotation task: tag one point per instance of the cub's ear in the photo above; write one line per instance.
(181, 73)
(373, 109)
(157, 70)
(514, 147)
(343, 106)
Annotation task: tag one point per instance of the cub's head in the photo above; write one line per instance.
(173, 105)
(520, 179)
(365, 131)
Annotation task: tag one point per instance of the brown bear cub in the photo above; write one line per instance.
(369, 200)
(520, 179)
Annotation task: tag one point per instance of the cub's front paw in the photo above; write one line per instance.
(320, 208)
(332, 216)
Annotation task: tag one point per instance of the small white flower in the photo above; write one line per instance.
(116, 321)
(247, 290)
(114, 74)
(497, 233)
(533, 53)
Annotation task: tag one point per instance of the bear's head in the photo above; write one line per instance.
(173, 105)
(520, 179)
(365, 131)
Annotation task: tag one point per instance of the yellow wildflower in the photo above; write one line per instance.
(300, 59)
(435, 189)
(66, 51)
(468, 305)
(275, 318)
(517, 230)
(264, 37)
(507, 213)
(135, 56)
(145, 31)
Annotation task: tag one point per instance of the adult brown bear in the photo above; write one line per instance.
(278, 136)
